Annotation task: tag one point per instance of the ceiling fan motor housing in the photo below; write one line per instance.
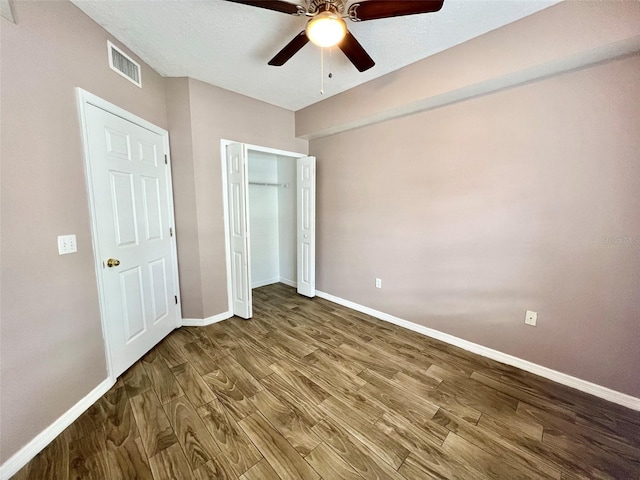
(317, 6)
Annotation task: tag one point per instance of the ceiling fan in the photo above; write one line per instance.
(327, 27)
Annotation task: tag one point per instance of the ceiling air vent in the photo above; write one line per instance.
(123, 64)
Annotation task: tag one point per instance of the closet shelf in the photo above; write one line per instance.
(264, 184)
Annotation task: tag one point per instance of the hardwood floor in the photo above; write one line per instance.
(308, 389)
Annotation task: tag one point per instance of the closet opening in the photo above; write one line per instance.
(272, 219)
(269, 221)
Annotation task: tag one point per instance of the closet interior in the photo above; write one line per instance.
(272, 218)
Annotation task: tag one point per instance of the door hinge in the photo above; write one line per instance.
(171, 231)
(166, 160)
(176, 297)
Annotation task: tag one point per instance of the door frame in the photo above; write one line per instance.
(84, 99)
(225, 201)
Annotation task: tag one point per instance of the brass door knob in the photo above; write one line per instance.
(113, 262)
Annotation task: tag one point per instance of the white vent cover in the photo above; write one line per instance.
(123, 64)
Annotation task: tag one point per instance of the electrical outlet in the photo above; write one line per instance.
(531, 318)
(378, 283)
(67, 244)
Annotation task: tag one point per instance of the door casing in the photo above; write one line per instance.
(84, 99)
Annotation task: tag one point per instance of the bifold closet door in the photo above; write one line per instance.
(239, 230)
(306, 225)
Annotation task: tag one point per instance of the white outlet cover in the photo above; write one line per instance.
(378, 283)
(67, 244)
(531, 318)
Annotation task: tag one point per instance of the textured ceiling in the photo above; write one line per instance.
(228, 45)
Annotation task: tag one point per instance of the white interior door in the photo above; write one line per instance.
(306, 220)
(130, 186)
(239, 230)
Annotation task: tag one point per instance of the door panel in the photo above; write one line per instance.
(239, 230)
(132, 303)
(148, 153)
(132, 210)
(305, 263)
(152, 208)
(124, 215)
(118, 144)
(306, 219)
(159, 292)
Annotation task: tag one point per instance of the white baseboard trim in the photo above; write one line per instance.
(287, 282)
(44, 438)
(203, 322)
(264, 283)
(559, 377)
(271, 281)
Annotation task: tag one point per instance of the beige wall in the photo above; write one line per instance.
(52, 353)
(473, 213)
(215, 114)
(184, 194)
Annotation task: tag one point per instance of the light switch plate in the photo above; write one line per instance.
(67, 244)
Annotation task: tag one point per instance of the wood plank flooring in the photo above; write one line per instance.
(310, 390)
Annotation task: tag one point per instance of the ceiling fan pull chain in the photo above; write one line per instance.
(321, 71)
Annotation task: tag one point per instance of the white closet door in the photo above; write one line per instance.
(306, 220)
(239, 230)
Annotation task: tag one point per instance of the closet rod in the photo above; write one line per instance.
(285, 185)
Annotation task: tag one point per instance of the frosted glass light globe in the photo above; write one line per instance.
(326, 29)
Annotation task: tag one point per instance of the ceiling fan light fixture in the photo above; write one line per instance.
(326, 29)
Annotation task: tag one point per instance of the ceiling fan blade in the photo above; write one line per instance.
(289, 50)
(354, 52)
(277, 5)
(374, 9)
